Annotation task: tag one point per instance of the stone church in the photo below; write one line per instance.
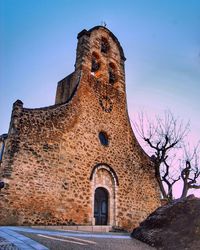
(78, 161)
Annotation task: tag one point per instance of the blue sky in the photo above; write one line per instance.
(161, 41)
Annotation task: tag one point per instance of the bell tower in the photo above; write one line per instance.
(100, 55)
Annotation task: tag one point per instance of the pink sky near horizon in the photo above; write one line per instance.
(178, 187)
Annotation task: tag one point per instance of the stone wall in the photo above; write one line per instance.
(51, 155)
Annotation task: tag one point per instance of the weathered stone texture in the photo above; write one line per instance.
(54, 160)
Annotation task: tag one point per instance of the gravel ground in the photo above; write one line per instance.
(78, 243)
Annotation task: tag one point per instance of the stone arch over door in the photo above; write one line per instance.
(103, 176)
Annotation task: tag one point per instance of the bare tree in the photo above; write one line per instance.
(163, 136)
(190, 171)
(169, 176)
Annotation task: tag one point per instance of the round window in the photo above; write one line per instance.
(103, 138)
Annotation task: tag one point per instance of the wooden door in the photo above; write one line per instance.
(101, 206)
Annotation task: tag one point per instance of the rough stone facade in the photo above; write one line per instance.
(55, 157)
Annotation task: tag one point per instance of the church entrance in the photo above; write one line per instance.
(101, 206)
(104, 187)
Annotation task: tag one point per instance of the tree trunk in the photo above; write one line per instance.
(185, 190)
(170, 194)
(160, 183)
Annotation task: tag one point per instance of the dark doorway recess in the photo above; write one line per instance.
(101, 206)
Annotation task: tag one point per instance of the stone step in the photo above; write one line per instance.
(77, 228)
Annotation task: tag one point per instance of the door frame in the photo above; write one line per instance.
(112, 193)
(106, 193)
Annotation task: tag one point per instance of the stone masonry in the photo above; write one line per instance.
(55, 157)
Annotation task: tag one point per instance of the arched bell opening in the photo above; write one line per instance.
(104, 45)
(112, 71)
(95, 64)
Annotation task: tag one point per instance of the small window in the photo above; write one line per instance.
(103, 138)
(104, 45)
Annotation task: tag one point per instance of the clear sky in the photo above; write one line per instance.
(161, 41)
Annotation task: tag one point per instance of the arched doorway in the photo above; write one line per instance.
(101, 206)
(104, 177)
